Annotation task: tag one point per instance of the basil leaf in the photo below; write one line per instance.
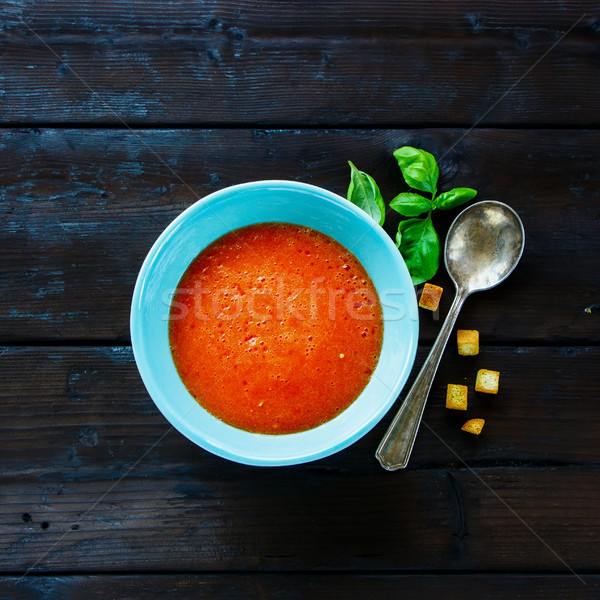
(419, 244)
(419, 168)
(363, 192)
(410, 205)
(454, 198)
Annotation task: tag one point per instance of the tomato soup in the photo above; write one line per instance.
(275, 328)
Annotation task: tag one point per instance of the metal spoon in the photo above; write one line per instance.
(483, 246)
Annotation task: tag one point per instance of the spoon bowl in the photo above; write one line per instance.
(483, 246)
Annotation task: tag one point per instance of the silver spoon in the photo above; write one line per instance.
(483, 246)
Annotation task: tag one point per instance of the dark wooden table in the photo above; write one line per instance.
(117, 116)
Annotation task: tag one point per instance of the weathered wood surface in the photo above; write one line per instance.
(315, 587)
(79, 209)
(488, 519)
(97, 492)
(90, 407)
(93, 475)
(503, 519)
(379, 17)
(321, 63)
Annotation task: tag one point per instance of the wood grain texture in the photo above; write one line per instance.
(99, 497)
(94, 479)
(349, 63)
(79, 209)
(344, 17)
(510, 519)
(313, 587)
(90, 407)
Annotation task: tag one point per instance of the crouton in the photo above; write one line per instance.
(430, 297)
(456, 397)
(474, 426)
(487, 381)
(468, 342)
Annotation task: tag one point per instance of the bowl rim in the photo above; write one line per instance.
(138, 341)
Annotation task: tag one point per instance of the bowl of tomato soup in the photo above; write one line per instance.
(274, 323)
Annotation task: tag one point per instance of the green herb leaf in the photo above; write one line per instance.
(411, 205)
(417, 238)
(454, 198)
(419, 244)
(419, 168)
(363, 192)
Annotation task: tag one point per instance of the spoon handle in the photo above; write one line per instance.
(397, 443)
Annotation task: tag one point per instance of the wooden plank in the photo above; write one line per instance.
(111, 487)
(382, 17)
(315, 587)
(95, 417)
(385, 63)
(240, 519)
(79, 210)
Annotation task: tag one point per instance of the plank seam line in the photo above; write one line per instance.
(392, 573)
(287, 126)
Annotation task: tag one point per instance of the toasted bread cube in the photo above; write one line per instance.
(487, 381)
(456, 397)
(430, 297)
(468, 342)
(474, 426)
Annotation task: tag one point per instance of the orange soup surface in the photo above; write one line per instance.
(275, 328)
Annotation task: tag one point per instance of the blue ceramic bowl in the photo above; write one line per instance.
(257, 202)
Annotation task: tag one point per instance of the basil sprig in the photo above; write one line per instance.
(417, 238)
